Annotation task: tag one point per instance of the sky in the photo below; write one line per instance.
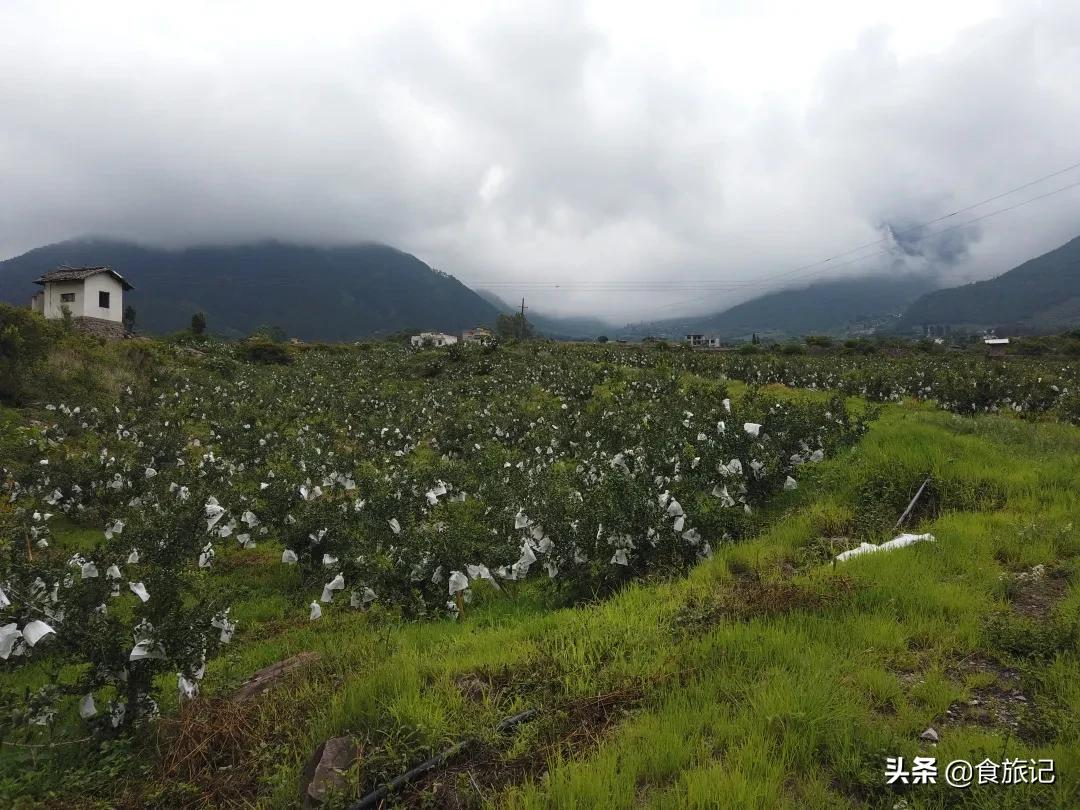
(626, 160)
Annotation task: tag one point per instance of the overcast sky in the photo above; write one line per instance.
(652, 159)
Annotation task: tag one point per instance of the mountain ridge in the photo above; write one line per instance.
(856, 305)
(323, 293)
(371, 289)
(1040, 294)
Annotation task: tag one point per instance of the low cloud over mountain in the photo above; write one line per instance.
(639, 160)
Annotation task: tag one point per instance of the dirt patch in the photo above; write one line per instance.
(472, 687)
(743, 571)
(472, 784)
(819, 551)
(1035, 592)
(206, 754)
(748, 599)
(483, 772)
(212, 752)
(242, 559)
(485, 684)
(997, 698)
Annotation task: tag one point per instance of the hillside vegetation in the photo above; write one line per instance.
(341, 293)
(1040, 295)
(632, 545)
(834, 307)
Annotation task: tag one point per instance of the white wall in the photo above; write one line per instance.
(104, 282)
(433, 339)
(86, 298)
(53, 304)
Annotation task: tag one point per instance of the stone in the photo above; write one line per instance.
(929, 735)
(98, 327)
(326, 771)
(268, 676)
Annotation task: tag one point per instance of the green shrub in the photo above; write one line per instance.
(25, 341)
(1033, 346)
(266, 352)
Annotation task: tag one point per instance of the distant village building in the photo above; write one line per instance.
(703, 342)
(995, 346)
(480, 334)
(435, 339)
(94, 297)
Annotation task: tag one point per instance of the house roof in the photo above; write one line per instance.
(80, 273)
(995, 341)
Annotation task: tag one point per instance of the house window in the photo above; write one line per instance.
(103, 300)
(67, 298)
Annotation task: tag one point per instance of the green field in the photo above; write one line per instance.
(755, 673)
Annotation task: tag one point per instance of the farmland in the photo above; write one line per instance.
(635, 543)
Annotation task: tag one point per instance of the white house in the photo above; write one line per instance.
(995, 346)
(436, 339)
(93, 295)
(698, 341)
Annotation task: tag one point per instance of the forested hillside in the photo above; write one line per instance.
(340, 293)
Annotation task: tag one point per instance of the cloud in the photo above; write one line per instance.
(935, 250)
(647, 163)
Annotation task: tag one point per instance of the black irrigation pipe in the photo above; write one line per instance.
(437, 761)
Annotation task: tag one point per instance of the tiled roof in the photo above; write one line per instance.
(79, 273)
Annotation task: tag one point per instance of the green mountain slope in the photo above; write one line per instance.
(1042, 294)
(311, 292)
(838, 307)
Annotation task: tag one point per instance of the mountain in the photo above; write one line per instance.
(315, 293)
(558, 327)
(835, 307)
(1041, 295)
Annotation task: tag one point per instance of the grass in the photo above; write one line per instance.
(769, 677)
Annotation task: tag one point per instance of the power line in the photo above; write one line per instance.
(715, 287)
(799, 270)
(933, 233)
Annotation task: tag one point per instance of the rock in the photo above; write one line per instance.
(929, 735)
(267, 677)
(326, 771)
